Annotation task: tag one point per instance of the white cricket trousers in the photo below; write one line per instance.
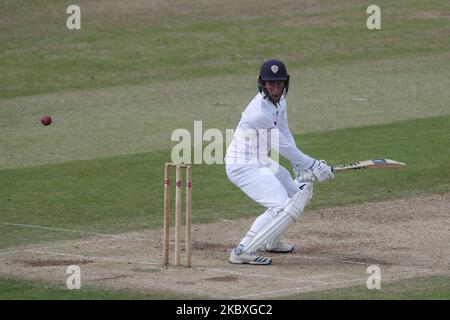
(271, 186)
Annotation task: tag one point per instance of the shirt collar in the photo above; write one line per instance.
(279, 107)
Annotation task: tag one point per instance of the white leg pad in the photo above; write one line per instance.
(279, 224)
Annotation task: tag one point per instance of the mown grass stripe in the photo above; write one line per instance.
(119, 194)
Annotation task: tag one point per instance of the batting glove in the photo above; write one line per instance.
(322, 172)
(303, 175)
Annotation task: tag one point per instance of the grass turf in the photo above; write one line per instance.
(160, 44)
(119, 194)
(20, 289)
(422, 288)
(190, 44)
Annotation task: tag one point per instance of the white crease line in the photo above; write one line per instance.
(357, 262)
(300, 289)
(153, 263)
(86, 257)
(258, 275)
(75, 231)
(159, 264)
(53, 246)
(299, 256)
(296, 289)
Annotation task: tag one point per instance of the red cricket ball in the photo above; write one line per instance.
(46, 120)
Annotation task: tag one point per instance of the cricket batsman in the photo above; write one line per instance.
(264, 126)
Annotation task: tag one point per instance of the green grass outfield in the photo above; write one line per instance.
(121, 44)
(434, 287)
(124, 193)
(138, 70)
(17, 289)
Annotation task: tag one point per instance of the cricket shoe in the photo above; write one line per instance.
(238, 256)
(280, 247)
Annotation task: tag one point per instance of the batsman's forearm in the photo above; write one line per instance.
(292, 153)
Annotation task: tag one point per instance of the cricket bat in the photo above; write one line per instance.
(368, 164)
